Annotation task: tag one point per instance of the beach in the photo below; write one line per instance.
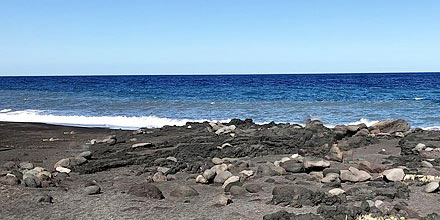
(207, 170)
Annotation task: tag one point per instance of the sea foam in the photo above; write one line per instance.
(115, 122)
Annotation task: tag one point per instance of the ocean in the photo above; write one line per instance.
(130, 102)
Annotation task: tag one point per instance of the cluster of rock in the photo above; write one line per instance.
(25, 173)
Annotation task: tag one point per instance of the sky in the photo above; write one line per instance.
(64, 37)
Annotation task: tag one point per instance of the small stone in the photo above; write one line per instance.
(226, 129)
(159, 177)
(354, 175)
(201, 179)
(420, 147)
(335, 153)
(223, 200)
(292, 166)
(63, 169)
(431, 187)
(184, 191)
(253, 188)
(44, 175)
(78, 161)
(427, 164)
(233, 180)
(26, 165)
(317, 175)
(9, 179)
(9, 165)
(209, 174)
(394, 175)
(217, 161)
(31, 181)
(225, 145)
(146, 190)
(139, 145)
(45, 198)
(222, 177)
(164, 170)
(171, 177)
(237, 190)
(316, 164)
(247, 173)
(219, 168)
(85, 154)
(336, 191)
(62, 163)
(92, 190)
(172, 159)
(330, 177)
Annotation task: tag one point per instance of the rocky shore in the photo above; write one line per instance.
(237, 170)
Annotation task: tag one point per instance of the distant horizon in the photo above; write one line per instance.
(213, 73)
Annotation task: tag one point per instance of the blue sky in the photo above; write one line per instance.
(48, 37)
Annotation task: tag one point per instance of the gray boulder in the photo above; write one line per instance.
(184, 191)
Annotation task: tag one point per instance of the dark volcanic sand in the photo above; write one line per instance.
(115, 168)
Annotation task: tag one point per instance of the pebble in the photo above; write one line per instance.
(26, 165)
(184, 191)
(233, 180)
(92, 190)
(419, 147)
(253, 188)
(141, 145)
(222, 177)
(316, 164)
(217, 161)
(146, 190)
(432, 187)
(159, 177)
(172, 159)
(394, 175)
(223, 200)
(85, 154)
(62, 163)
(336, 191)
(427, 164)
(201, 179)
(45, 198)
(63, 170)
(209, 174)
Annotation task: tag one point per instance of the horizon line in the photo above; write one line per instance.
(214, 73)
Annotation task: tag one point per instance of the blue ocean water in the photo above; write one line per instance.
(154, 101)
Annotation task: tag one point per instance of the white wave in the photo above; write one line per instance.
(115, 122)
(365, 121)
(432, 128)
(418, 99)
(5, 110)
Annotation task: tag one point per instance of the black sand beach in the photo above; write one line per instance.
(272, 171)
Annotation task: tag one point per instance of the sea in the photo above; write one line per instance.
(134, 101)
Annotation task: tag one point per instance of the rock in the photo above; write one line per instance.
(9, 179)
(292, 166)
(330, 177)
(78, 161)
(223, 200)
(226, 129)
(326, 171)
(26, 165)
(237, 190)
(335, 153)
(146, 190)
(222, 177)
(171, 177)
(283, 160)
(336, 191)
(92, 190)
(362, 133)
(172, 159)
(164, 170)
(201, 179)
(62, 163)
(63, 169)
(139, 145)
(354, 175)
(394, 175)
(45, 198)
(371, 167)
(217, 161)
(391, 126)
(159, 177)
(85, 154)
(317, 175)
(399, 134)
(184, 191)
(383, 206)
(419, 147)
(431, 187)
(316, 164)
(253, 188)
(209, 174)
(429, 149)
(31, 181)
(219, 168)
(247, 173)
(111, 140)
(44, 175)
(266, 170)
(427, 164)
(231, 181)
(9, 165)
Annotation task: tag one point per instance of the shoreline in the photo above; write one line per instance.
(267, 160)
